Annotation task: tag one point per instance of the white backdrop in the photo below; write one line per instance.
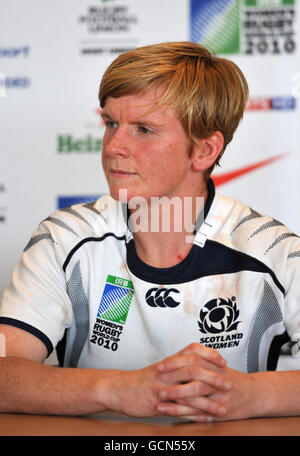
(52, 56)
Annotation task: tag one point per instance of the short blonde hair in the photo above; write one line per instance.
(209, 93)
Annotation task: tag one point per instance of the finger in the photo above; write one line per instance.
(208, 353)
(191, 373)
(177, 361)
(204, 406)
(197, 404)
(203, 356)
(192, 389)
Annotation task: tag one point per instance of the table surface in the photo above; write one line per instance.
(116, 425)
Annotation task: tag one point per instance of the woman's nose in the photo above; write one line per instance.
(118, 143)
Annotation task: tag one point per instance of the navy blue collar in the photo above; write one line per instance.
(175, 274)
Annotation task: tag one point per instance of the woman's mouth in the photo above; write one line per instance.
(121, 173)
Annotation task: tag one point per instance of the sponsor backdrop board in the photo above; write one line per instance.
(52, 56)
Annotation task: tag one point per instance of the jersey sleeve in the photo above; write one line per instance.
(36, 299)
(292, 297)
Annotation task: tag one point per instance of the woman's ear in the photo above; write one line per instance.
(206, 151)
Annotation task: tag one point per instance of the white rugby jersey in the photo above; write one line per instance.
(80, 280)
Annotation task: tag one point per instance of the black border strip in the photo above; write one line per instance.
(89, 239)
(174, 275)
(274, 350)
(263, 266)
(203, 214)
(210, 197)
(31, 329)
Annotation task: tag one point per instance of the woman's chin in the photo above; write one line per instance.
(124, 195)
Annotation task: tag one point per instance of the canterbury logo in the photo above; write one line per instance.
(161, 297)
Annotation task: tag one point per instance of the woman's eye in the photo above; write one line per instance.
(144, 130)
(111, 124)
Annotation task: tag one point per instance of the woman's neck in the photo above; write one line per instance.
(164, 230)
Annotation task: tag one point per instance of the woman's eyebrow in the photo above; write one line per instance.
(150, 122)
(136, 121)
(106, 115)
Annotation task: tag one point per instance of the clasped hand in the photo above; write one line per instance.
(200, 387)
(194, 384)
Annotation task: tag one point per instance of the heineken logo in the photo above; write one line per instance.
(67, 144)
(112, 312)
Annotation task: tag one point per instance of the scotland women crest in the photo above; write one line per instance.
(219, 316)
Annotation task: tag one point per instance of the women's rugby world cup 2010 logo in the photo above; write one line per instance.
(218, 316)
